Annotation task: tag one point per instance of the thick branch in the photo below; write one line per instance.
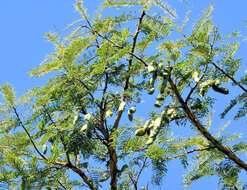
(111, 149)
(204, 131)
(85, 178)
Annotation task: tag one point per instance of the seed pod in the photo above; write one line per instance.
(163, 86)
(76, 117)
(203, 88)
(195, 76)
(156, 127)
(153, 79)
(149, 128)
(151, 91)
(150, 141)
(84, 128)
(158, 103)
(44, 149)
(151, 68)
(160, 97)
(221, 90)
(87, 116)
(151, 82)
(147, 124)
(171, 112)
(105, 176)
(130, 115)
(140, 132)
(108, 113)
(132, 110)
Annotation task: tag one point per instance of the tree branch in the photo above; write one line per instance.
(196, 84)
(111, 149)
(230, 77)
(204, 131)
(28, 134)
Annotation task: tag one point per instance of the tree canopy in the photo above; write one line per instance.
(121, 85)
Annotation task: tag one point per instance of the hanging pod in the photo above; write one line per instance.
(221, 90)
(84, 128)
(151, 68)
(156, 125)
(151, 91)
(147, 124)
(150, 141)
(163, 85)
(164, 73)
(172, 112)
(130, 115)
(153, 79)
(132, 110)
(140, 132)
(158, 103)
(108, 113)
(87, 117)
(160, 97)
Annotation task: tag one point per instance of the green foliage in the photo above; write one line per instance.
(78, 121)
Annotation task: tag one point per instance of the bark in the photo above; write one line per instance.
(204, 131)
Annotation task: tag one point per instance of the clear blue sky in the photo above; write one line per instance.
(24, 23)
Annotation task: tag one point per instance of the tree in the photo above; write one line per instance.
(102, 72)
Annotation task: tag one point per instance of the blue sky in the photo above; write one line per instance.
(24, 23)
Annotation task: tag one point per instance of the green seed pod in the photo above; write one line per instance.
(160, 97)
(158, 103)
(140, 132)
(130, 115)
(203, 88)
(163, 86)
(44, 149)
(105, 176)
(156, 128)
(132, 110)
(151, 91)
(108, 113)
(165, 73)
(171, 111)
(151, 82)
(147, 124)
(84, 128)
(150, 141)
(87, 116)
(151, 68)
(221, 90)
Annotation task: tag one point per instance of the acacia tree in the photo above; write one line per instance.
(81, 129)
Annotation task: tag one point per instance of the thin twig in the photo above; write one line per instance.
(196, 84)
(61, 185)
(28, 134)
(230, 77)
